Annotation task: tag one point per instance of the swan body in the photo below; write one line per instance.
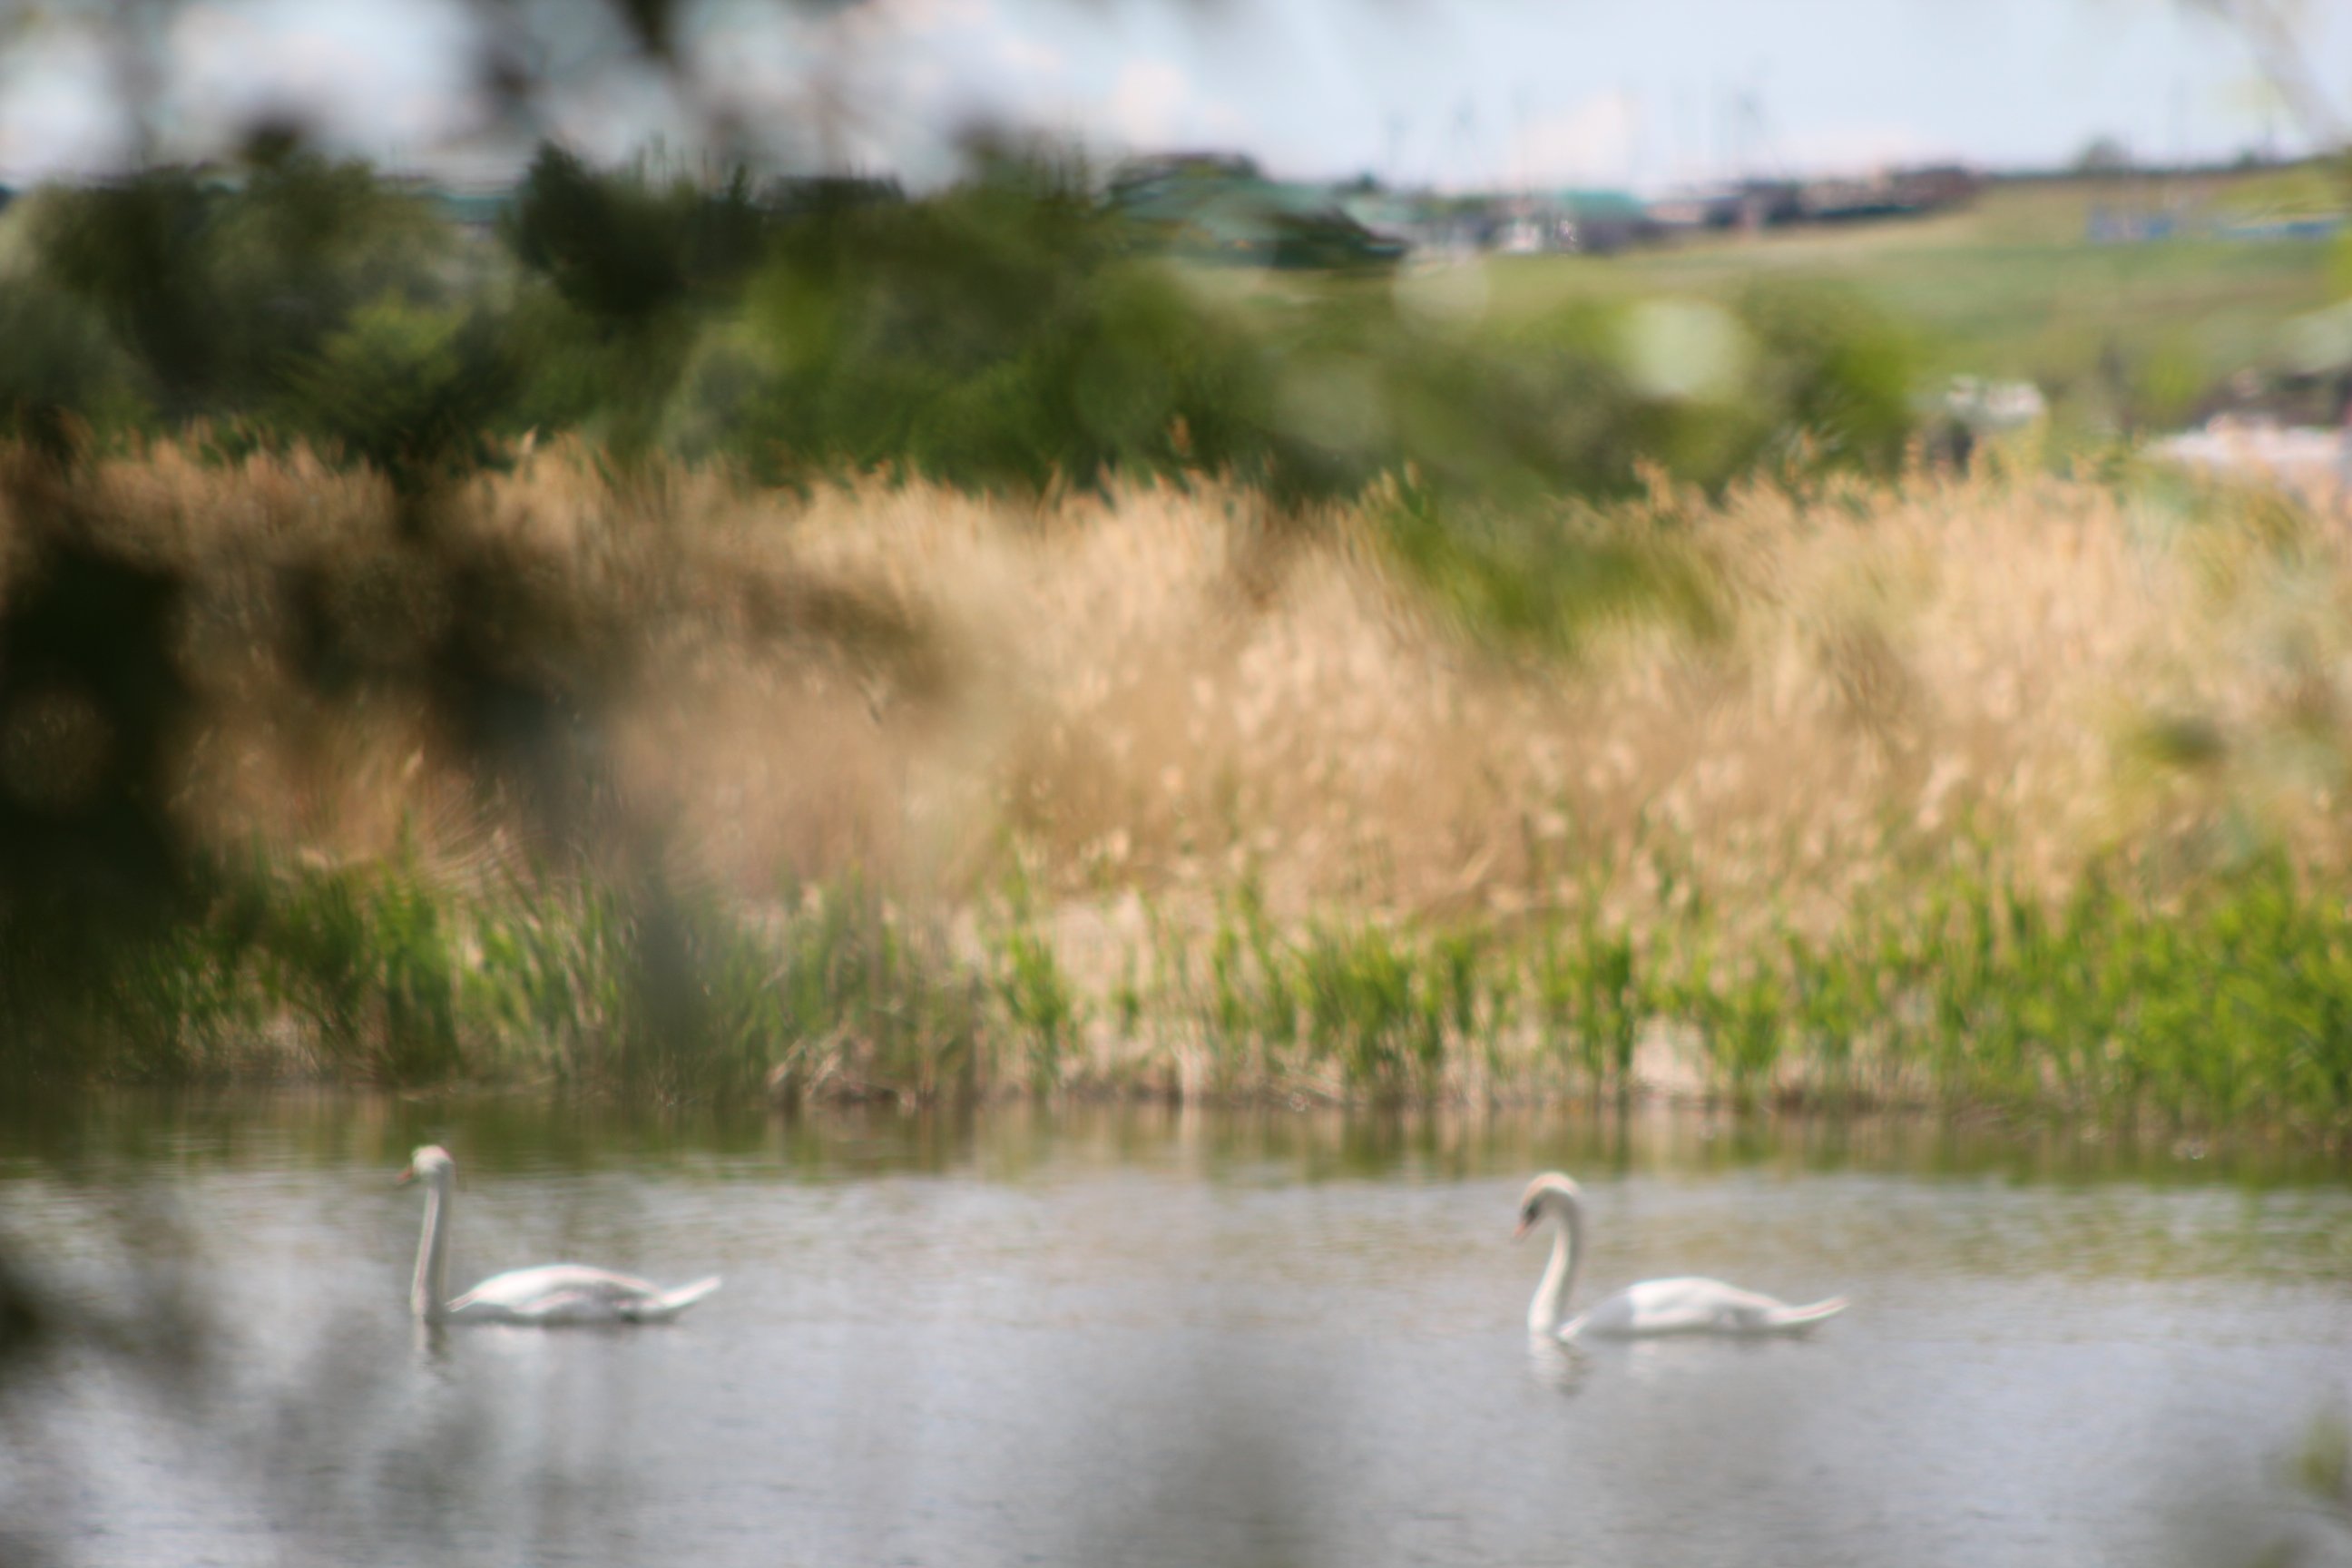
(550, 1295)
(1654, 1306)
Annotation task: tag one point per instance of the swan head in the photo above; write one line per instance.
(1550, 1192)
(431, 1165)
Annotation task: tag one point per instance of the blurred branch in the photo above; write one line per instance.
(2270, 31)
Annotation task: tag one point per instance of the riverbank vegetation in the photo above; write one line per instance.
(685, 645)
(2004, 789)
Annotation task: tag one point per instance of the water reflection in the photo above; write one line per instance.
(1556, 1363)
(1143, 1334)
(200, 1129)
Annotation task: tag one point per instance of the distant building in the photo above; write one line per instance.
(1691, 211)
(1142, 177)
(1743, 204)
(1386, 214)
(477, 212)
(1601, 221)
(1937, 185)
(1208, 206)
(1776, 204)
(1594, 221)
(1891, 194)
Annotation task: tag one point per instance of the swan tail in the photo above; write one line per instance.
(1792, 1319)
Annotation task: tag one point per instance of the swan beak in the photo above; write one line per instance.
(1520, 1231)
(405, 1177)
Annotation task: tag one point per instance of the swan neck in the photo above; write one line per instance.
(429, 1295)
(1550, 1308)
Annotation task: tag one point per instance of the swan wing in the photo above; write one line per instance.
(574, 1293)
(1697, 1306)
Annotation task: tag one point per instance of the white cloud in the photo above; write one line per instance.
(880, 84)
(366, 71)
(1024, 56)
(1858, 148)
(57, 111)
(917, 18)
(1148, 101)
(1592, 143)
(1154, 103)
(608, 116)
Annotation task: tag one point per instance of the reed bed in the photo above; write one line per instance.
(2011, 787)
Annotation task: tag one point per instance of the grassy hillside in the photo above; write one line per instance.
(2134, 334)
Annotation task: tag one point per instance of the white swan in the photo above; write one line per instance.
(1654, 1306)
(553, 1294)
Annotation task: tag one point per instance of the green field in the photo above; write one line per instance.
(2119, 336)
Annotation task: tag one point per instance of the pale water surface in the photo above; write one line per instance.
(1146, 1337)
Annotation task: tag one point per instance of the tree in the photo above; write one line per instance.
(2269, 28)
(2103, 155)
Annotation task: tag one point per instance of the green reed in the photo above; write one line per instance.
(2225, 1002)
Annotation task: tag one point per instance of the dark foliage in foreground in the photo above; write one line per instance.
(1011, 331)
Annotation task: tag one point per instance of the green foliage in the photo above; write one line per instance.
(991, 336)
(1011, 332)
(1039, 1008)
(621, 250)
(384, 973)
(1592, 998)
(216, 286)
(1006, 334)
(62, 367)
(869, 1001)
(1744, 1018)
(135, 252)
(1370, 1006)
(1254, 972)
(1388, 1011)
(2228, 1003)
(2167, 382)
(415, 978)
(1014, 332)
(93, 998)
(1838, 374)
(633, 272)
(410, 390)
(1543, 579)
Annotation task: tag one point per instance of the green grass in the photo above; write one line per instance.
(2227, 1003)
(2010, 288)
(384, 973)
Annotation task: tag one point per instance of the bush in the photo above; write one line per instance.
(409, 390)
(1836, 376)
(62, 367)
(1011, 332)
(216, 286)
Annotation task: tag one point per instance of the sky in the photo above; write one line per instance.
(1651, 95)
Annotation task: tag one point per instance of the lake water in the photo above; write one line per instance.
(1142, 1336)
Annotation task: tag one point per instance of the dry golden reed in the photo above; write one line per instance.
(1162, 691)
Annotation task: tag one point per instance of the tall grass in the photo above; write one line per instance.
(2233, 1004)
(388, 973)
(2016, 788)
